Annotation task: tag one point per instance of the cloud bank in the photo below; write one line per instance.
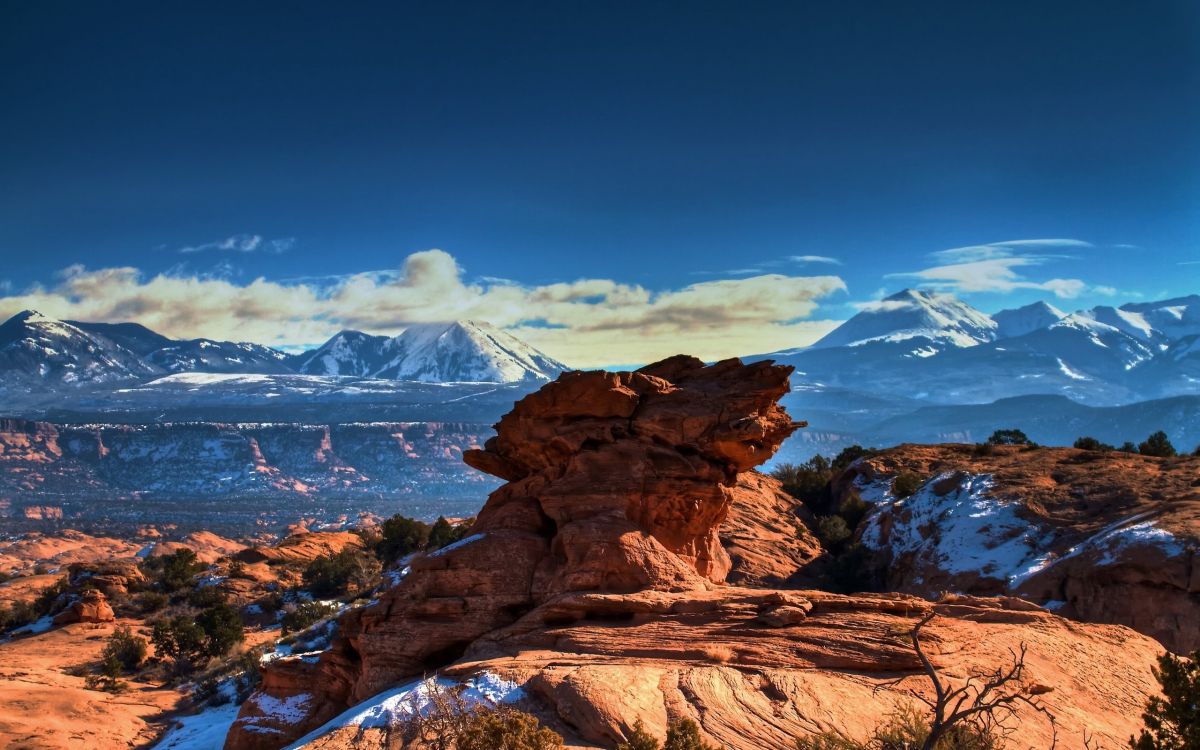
(584, 323)
(994, 268)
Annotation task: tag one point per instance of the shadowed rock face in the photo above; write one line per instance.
(618, 482)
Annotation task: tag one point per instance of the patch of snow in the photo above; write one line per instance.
(460, 543)
(38, 626)
(965, 530)
(1072, 374)
(393, 706)
(203, 731)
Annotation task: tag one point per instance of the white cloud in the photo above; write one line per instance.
(588, 322)
(993, 268)
(814, 259)
(244, 243)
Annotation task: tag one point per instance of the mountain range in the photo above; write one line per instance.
(938, 350)
(39, 353)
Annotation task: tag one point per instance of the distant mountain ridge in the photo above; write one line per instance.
(460, 351)
(936, 349)
(39, 353)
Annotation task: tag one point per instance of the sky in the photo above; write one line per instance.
(611, 181)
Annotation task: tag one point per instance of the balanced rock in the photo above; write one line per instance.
(617, 482)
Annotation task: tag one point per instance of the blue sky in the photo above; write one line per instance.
(684, 154)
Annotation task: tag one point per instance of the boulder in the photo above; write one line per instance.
(90, 606)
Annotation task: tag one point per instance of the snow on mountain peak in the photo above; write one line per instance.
(1023, 320)
(911, 314)
(465, 351)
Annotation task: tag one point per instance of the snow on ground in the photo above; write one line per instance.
(392, 706)
(203, 731)
(38, 626)
(965, 530)
(456, 545)
(969, 530)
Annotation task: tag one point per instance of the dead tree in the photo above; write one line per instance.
(986, 701)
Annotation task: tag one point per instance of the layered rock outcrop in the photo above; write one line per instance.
(1105, 537)
(617, 482)
(594, 579)
(90, 606)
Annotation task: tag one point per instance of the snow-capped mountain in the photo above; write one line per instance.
(1027, 319)
(924, 321)
(38, 351)
(936, 349)
(206, 355)
(349, 353)
(465, 351)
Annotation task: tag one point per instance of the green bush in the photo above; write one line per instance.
(443, 533)
(348, 570)
(125, 648)
(639, 739)
(1092, 444)
(849, 455)
(833, 532)
(1009, 437)
(149, 602)
(853, 509)
(400, 536)
(305, 615)
(685, 735)
(1157, 445)
(47, 601)
(190, 640)
(1173, 720)
(808, 482)
(906, 484)
(505, 729)
(108, 678)
(1128, 447)
(854, 569)
(206, 596)
(174, 571)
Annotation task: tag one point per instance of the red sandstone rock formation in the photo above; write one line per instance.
(91, 606)
(594, 579)
(618, 482)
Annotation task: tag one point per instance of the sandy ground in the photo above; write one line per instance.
(43, 707)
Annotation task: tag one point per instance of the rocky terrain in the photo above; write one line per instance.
(1100, 536)
(594, 585)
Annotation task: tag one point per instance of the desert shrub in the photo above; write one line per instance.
(174, 571)
(1009, 437)
(108, 678)
(1128, 447)
(305, 615)
(206, 596)
(685, 735)
(149, 602)
(639, 739)
(1092, 444)
(348, 570)
(17, 614)
(443, 533)
(849, 455)
(1157, 445)
(906, 484)
(190, 640)
(49, 599)
(854, 569)
(833, 532)
(853, 509)
(506, 729)
(222, 629)
(237, 569)
(1173, 720)
(400, 536)
(808, 481)
(984, 449)
(127, 649)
